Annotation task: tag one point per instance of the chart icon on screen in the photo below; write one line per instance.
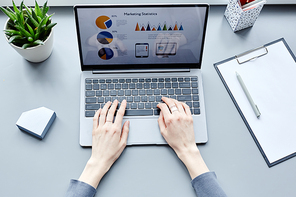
(104, 37)
(106, 53)
(103, 22)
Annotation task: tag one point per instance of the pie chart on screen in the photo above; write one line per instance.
(103, 22)
(106, 53)
(104, 37)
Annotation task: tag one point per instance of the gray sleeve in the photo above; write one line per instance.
(80, 189)
(206, 185)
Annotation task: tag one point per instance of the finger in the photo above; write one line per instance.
(104, 112)
(120, 114)
(179, 106)
(125, 131)
(111, 112)
(164, 109)
(96, 119)
(186, 108)
(161, 123)
(170, 103)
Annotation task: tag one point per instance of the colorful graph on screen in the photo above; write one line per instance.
(104, 37)
(106, 53)
(159, 27)
(103, 22)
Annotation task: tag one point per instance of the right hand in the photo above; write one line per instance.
(176, 126)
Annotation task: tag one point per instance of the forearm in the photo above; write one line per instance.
(193, 162)
(92, 174)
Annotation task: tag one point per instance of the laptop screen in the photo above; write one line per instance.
(140, 36)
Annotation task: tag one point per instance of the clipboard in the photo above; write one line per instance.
(269, 74)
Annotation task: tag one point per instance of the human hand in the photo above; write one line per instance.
(176, 126)
(108, 142)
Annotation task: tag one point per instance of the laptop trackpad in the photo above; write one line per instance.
(144, 131)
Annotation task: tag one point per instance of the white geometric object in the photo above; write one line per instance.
(36, 122)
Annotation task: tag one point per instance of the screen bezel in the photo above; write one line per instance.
(139, 66)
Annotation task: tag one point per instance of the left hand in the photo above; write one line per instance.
(108, 142)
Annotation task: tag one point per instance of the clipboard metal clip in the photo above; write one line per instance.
(252, 57)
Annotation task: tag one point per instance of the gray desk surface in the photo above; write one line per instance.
(31, 167)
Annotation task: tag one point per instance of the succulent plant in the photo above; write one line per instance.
(28, 27)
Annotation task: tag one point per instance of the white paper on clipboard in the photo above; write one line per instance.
(271, 81)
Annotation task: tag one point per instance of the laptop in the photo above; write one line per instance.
(141, 53)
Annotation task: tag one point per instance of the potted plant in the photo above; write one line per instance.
(29, 31)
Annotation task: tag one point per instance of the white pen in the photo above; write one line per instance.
(254, 106)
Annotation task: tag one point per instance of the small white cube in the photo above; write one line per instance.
(36, 121)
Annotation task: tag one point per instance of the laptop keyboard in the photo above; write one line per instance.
(142, 94)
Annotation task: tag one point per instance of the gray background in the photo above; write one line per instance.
(32, 167)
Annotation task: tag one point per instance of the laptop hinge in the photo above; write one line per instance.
(140, 71)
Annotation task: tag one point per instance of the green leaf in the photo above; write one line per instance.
(38, 42)
(37, 36)
(39, 19)
(43, 28)
(46, 19)
(16, 22)
(14, 32)
(22, 18)
(37, 10)
(27, 45)
(12, 16)
(50, 15)
(51, 25)
(31, 30)
(23, 31)
(8, 34)
(12, 38)
(34, 15)
(10, 10)
(45, 9)
(35, 23)
(15, 8)
(39, 28)
(30, 39)
(28, 10)
(22, 6)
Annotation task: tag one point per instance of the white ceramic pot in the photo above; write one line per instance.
(35, 54)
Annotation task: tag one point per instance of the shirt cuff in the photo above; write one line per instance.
(206, 185)
(80, 189)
